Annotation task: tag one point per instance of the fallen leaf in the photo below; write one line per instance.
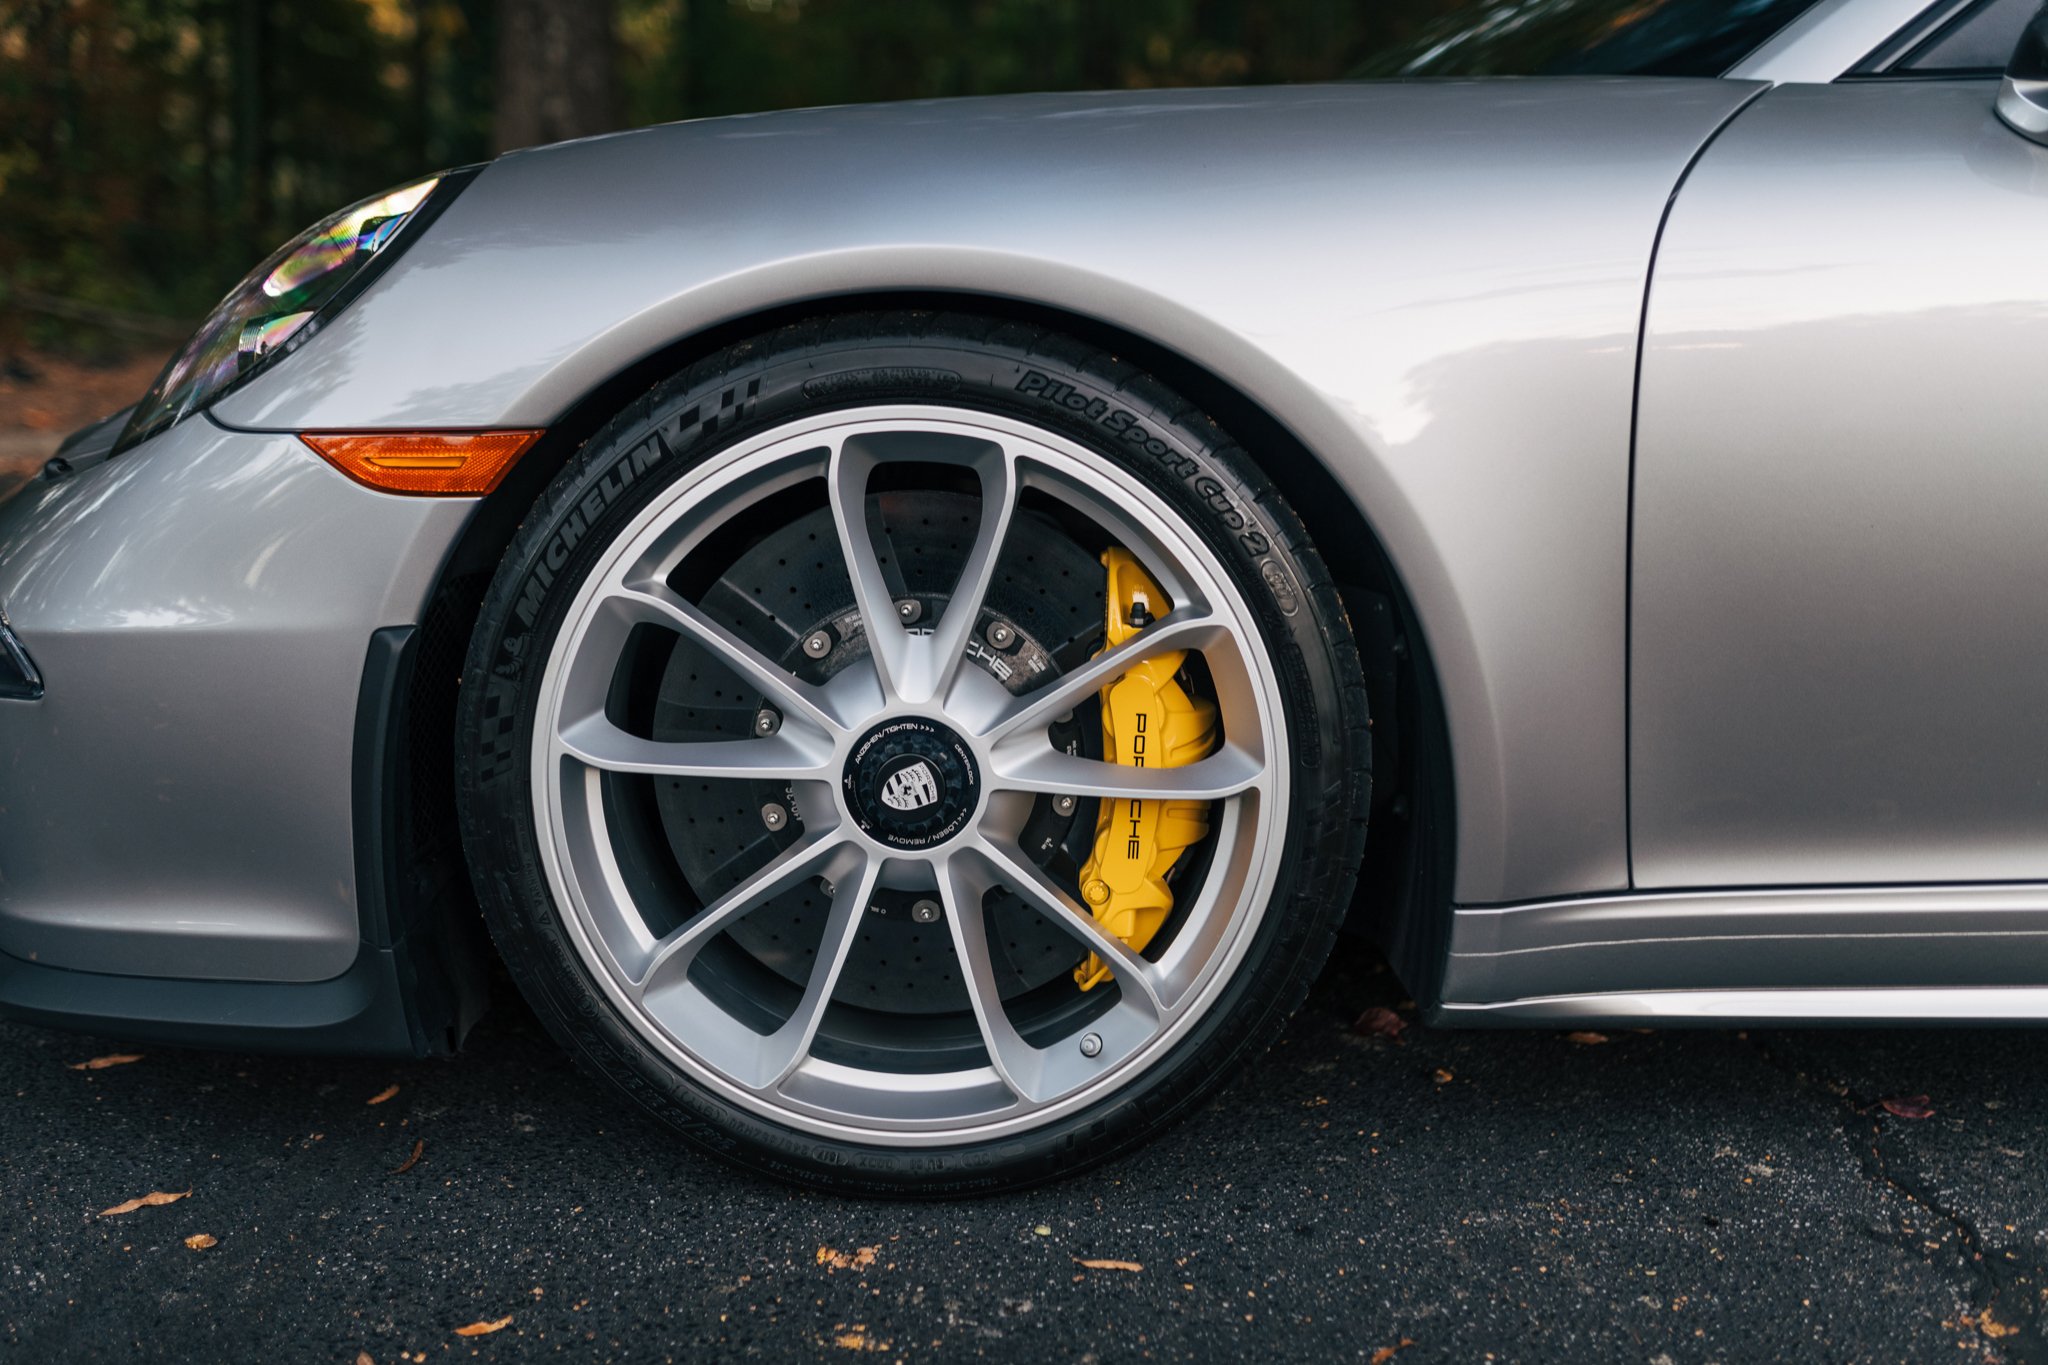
(363, 1358)
(150, 1200)
(382, 1095)
(1043, 1230)
(856, 1338)
(200, 1241)
(419, 1149)
(482, 1329)
(1992, 1327)
(1444, 1077)
(1379, 1022)
(1908, 1107)
(1132, 1266)
(1585, 1039)
(1387, 1353)
(111, 1059)
(858, 1259)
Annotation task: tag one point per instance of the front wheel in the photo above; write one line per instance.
(912, 753)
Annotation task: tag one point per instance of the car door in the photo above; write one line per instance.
(1839, 595)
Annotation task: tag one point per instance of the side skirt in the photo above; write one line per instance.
(1920, 954)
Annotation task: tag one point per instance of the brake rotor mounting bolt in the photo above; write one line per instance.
(1001, 634)
(767, 721)
(909, 609)
(774, 816)
(818, 643)
(925, 911)
(1091, 1045)
(1064, 805)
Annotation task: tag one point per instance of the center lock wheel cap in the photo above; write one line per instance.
(911, 783)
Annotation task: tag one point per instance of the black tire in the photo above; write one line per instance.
(961, 361)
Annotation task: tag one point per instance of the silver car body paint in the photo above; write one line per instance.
(1841, 633)
(177, 804)
(1436, 286)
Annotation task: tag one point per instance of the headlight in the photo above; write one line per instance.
(285, 300)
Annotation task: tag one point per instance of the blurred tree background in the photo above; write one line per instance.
(151, 151)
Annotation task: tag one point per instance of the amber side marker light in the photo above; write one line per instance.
(432, 463)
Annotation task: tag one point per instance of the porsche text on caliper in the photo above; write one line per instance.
(1148, 721)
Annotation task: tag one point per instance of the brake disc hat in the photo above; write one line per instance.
(906, 751)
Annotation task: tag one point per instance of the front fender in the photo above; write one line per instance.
(1436, 287)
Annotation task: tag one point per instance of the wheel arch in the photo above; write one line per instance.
(1403, 901)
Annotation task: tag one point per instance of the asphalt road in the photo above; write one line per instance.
(1709, 1196)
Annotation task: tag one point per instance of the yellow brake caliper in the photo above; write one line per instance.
(1148, 721)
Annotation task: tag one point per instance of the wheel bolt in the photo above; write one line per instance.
(825, 885)
(774, 816)
(925, 911)
(1064, 805)
(1001, 634)
(1091, 1045)
(767, 721)
(909, 609)
(818, 643)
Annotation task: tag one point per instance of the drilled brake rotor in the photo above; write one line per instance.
(790, 591)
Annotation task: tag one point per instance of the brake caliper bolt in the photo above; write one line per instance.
(1064, 805)
(818, 643)
(925, 911)
(1091, 1045)
(1001, 634)
(767, 721)
(910, 609)
(774, 816)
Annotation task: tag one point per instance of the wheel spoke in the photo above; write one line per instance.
(785, 1049)
(888, 641)
(918, 666)
(660, 605)
(1225, 773)
(810, 856)
(785, 757)
(1028, 880)
(1182, 628)
(1020, 1065)
(997, 470)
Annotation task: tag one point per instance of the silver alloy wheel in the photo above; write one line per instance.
(910, 673)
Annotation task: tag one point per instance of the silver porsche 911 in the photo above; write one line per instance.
(916, 624)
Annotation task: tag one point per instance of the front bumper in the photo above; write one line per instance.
(180, 805)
